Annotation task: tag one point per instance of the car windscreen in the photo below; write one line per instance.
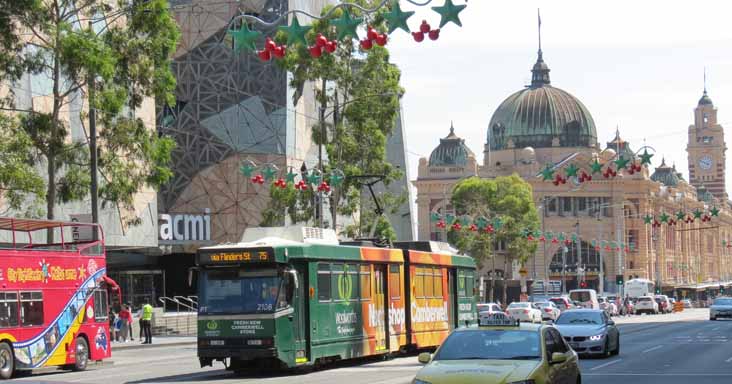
(581, 296)
(723, 302)
(490, 344)
(576, 317)
(519, 305)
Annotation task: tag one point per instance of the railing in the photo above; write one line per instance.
(163, 300)
(192, 306)
(183, 323)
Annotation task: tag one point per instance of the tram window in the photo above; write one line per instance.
(428, 283)
(352, 275)
(438, 282)
(419, 283)
(8, 309)
(365, 282)
(323, 282)
(468, 284)
(394, 282)
(101, 305)
(337, 291)
(31, 308)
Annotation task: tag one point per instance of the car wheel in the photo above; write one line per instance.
(617, 347)
(713, 318)
(7, 361)
(82, 354)
(607, 352)
(579, 379)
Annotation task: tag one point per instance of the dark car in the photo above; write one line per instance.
(589, 332)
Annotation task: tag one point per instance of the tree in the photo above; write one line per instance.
(20, 185)
(119, 55)
(508, 198)
(364, 102)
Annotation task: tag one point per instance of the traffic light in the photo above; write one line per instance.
(721, 289)
(658, 291)
(583, 284)
(619, 279)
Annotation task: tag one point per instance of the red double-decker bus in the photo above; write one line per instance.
(54, 298)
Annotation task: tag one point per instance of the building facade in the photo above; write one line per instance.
(543, 126)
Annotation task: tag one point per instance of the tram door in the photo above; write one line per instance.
(299, 317)
(381, 308)
(452, 297)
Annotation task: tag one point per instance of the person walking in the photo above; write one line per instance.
(129, 309)
(145, 320)
(125, 321)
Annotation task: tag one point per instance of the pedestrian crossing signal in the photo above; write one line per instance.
(619, 279)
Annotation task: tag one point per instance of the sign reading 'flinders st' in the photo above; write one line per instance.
(181, 228)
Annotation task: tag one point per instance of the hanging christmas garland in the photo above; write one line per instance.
(271, 174)
(581, 173)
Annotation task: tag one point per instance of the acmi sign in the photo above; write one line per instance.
(184, 227)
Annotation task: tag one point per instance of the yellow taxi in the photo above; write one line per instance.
(501, 351)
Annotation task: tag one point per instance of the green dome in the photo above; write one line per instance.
(666, 175)
(452, 151)
(705, 99)
(704, 195)
(534, 116)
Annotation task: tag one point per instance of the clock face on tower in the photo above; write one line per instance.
(705, 162)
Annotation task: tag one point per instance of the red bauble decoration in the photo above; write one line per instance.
(331, 46)
(371, 33)
(424, 27)
(269, 45)
(530, 238)
(316, 51)
(381, 39)
(320, 40)
(473, 228)
(631, 170)
(264, 55)
(418, 36)
(366, 44)
(434, 34)
(279, 52)
(457, 226)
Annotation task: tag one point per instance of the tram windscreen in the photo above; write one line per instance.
(231, 291)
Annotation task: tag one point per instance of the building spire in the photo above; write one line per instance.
(452, 127)
(540, 72)
(705, 80)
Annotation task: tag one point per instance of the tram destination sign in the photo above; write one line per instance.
(236, 256)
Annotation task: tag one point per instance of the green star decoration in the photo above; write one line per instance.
(482, 222)
(434, 216)
(561, 237)
(269, 173)
(596, 167)
(621, 162)
(449, 12)
(714, 211)
(450, 219)
(572, 170)
(336, 178)
(291, 176)
(396, 18)
(244, 38)
(497, 223)
(247, 169)
(664, 217)
(547, 173)
(313, 178)
(680, 215)
(465, 221)
(697, 213)
(345, 25)
(647, 219)
(295, 32)
(646, 157)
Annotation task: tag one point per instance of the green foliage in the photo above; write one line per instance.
(291, 202)
(362, 107)
(126, 47)
(20, 186)
(508, 198)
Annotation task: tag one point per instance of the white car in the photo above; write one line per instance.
(523, 311)
(488, 308)
(608, 306)
(549, 310)
(646, 304)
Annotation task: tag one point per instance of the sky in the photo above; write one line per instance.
(636, 65)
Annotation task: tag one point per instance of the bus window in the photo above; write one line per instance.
(101, 305)
(323, 282)
(394, 283)
(438, 282)
(352, 276)
(428, 286)
(419, 283)
(31, 308)
(8, 309)
(365, 282)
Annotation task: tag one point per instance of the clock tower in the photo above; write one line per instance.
(706, 149)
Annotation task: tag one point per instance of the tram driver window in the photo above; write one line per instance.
(8, 309)
(284, 298)
(31, 308)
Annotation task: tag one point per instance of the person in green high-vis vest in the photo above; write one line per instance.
(145, 321)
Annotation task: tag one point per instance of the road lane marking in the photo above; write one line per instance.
(715, 329)
(606, 364)
(652, 349)
(728, 360)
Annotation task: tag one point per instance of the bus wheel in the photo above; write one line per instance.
(82, 354)
(7, 361)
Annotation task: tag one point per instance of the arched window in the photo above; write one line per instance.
(571, 134)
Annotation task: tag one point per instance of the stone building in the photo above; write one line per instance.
(543, 126)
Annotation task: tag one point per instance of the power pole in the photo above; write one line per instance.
(94, 187)
(323, 139)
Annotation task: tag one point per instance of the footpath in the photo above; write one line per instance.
(157, 341)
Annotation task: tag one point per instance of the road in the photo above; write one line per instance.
(663, 349)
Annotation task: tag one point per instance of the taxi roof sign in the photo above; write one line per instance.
(499, 319)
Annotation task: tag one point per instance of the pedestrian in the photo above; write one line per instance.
(129, 309)
(117, 327)
(125, 321)
(145, 320)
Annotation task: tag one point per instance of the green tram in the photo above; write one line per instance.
(283, 301)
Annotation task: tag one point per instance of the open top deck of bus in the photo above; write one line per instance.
(27, 227)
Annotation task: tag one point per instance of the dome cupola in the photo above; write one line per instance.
(452, 151)
(665, 175)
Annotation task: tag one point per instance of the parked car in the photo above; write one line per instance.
(488, 308)
(646, 304)
(524, 311)
(664, 305)
(563, 303)
(687, 303)
(721, 307)
(590, 332)
(549, 310)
